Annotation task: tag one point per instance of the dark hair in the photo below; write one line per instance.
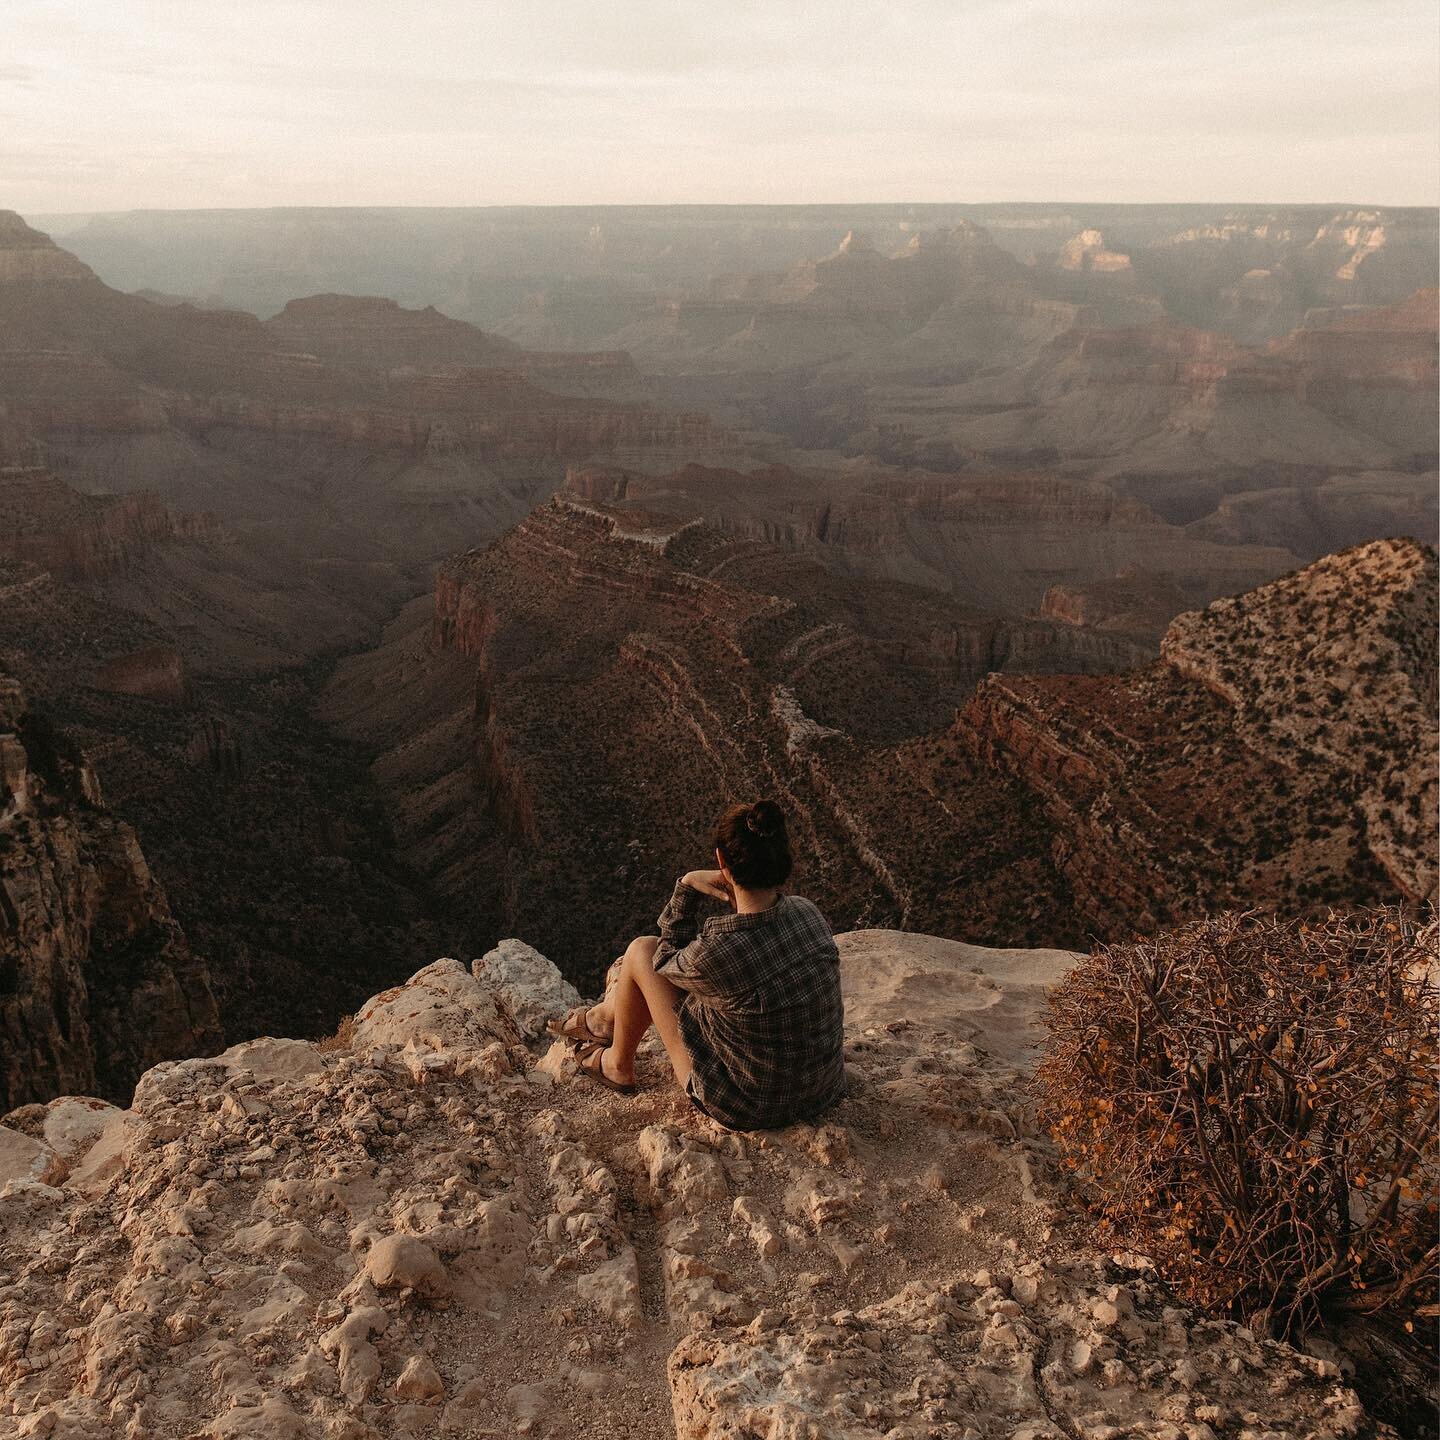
(752, 841)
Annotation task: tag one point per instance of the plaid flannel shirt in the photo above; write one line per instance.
(761, 1015)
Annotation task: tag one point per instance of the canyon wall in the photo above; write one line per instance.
(692, 651)
(1282, 748)
(81, 537)
(417, 423)
(98, 980)
(941, 769)
(995, 540)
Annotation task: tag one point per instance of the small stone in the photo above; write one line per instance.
(1025, 1289)
(402, 1262)
(420, 1381)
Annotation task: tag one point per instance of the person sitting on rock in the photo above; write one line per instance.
(747, 1003)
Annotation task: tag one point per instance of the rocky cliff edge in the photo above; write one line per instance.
(431, 1227)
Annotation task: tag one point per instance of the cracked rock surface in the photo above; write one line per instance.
(438, 1230)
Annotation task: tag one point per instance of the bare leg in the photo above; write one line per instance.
(600, 1017)
(638, 999)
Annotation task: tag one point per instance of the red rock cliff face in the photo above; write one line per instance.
(97, 982)
(83, 537)
(1110, 846)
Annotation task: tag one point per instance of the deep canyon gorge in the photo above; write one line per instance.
(378, 587)
(384, 630)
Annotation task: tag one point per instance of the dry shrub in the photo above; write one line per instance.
(341, 1039)
(1252, 1102)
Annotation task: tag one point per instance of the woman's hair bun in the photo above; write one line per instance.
(753, 844)
(765, 818)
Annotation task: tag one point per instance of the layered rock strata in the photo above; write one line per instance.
(997, 540)
(708, 664)
(1037, 806)
(82, 537)
(1134, 602)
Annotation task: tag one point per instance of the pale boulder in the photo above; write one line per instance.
(527, 983)
(401, 1262)
(420, 1381)
(272, 1059)
(441, 1008)
(27, 1160)
(73, 1123)
(108, 1153)
(614, 1288)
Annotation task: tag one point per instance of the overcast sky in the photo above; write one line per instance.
(121, 104)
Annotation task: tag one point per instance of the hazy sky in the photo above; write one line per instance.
(118, 104)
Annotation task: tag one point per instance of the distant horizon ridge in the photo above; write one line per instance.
(1328, 205)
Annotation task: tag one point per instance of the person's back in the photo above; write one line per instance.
(762, 1015)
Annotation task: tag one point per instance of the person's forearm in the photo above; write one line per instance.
(679, 922)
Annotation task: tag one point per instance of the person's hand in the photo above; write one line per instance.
(708, 882)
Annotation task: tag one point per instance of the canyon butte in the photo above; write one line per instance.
(1067, 574)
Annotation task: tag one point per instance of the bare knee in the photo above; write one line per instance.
(640, 954)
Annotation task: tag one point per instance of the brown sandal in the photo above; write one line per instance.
(576, 1026)
(596, 1070)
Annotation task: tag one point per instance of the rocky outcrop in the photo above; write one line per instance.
(1281, 753)
(1336, 667)
(290, 1241)
(81, 537)
(1088, 252)
(98, 980)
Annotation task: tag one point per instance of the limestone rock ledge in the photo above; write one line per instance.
(431, 1229)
